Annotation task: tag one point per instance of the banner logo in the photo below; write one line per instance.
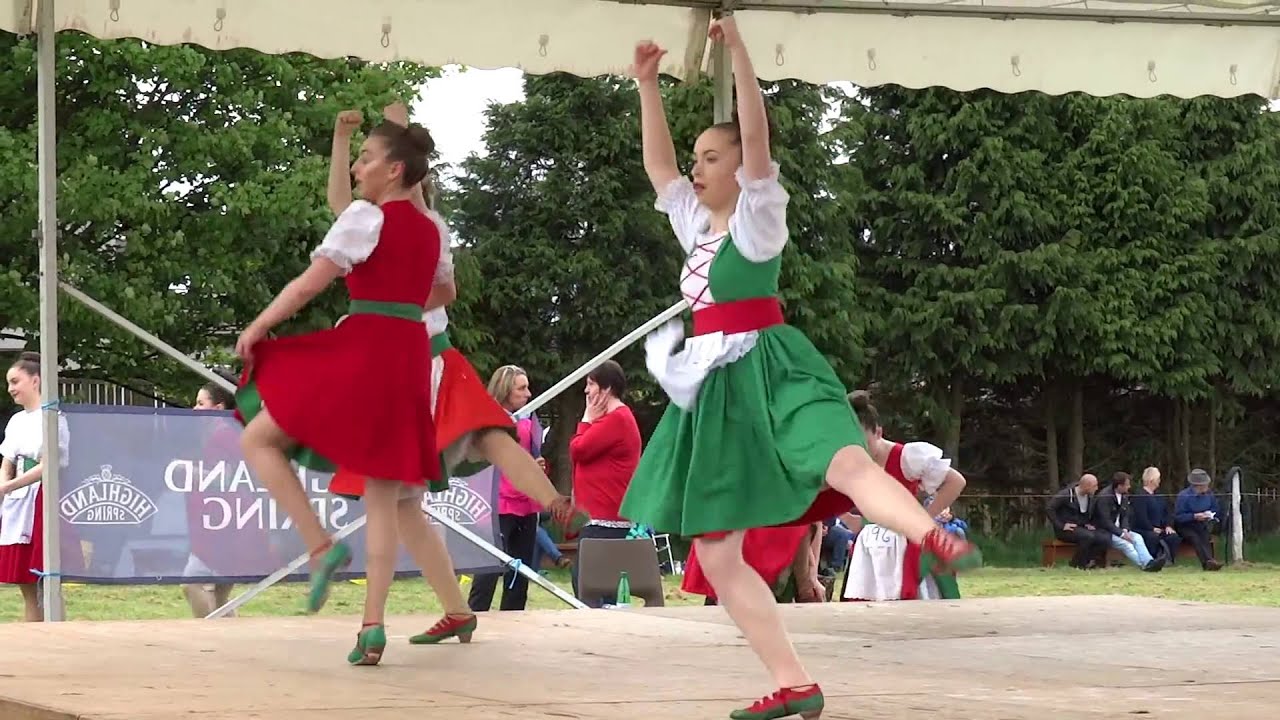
(106, 499)
(460, 503)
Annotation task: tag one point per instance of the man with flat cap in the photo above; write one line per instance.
(1193, 512)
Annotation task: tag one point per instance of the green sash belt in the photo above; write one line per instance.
(440, 343)
(404, 311)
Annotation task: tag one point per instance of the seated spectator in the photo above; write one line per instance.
(836, 540)
(1151, 518)
(1113, 517)
(1193, 513)
(1071, 511)
(546, 548)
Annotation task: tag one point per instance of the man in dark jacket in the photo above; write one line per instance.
(1113, 517)
(1072, 511)
(1151, 518)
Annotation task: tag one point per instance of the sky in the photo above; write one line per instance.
(452, 107)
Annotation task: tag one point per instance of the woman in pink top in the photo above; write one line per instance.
(517, 512)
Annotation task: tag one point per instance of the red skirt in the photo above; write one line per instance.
(356, 396)
(463, 406)
(769, 551)
(17, 561)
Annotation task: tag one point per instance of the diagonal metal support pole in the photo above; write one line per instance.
(297, 563)
(292, 567)
(652, 324)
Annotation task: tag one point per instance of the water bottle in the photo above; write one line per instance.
(624, 590)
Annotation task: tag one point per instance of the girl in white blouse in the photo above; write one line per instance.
(21, 516)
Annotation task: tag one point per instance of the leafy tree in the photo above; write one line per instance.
(191, 189)
(563, 251)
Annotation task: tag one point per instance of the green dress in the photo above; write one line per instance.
(754, 448)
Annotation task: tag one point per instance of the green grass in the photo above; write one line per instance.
(1022, 549)
(1249, 585)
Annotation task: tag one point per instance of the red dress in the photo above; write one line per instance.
(359, 395)
(461, 405)
(768, 551)
(17, 561)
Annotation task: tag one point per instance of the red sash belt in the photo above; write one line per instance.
(738, 316)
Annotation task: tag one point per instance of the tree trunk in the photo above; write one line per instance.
(568, 409)
(1185, 433)
(1051, 439)
(955, 409)
(1075, 434)
(1175, 422)
(1213, 435)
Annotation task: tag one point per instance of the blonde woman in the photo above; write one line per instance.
(517, 512)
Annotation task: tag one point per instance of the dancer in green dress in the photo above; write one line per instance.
(759, 432)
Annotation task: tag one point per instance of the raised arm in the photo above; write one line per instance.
(655, 135)
(349, 242)
(752, 123)
(338, 191)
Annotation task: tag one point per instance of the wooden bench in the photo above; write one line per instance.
(568, 549)
(1052, 550)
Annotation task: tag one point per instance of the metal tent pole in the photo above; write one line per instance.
(46, 153)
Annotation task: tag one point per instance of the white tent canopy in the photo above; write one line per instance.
(1215, 47)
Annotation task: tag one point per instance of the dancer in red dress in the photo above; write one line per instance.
(22, 507)
(357, 395)
(471, 429)
(916, 466)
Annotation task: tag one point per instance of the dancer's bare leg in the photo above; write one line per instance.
(264, 445)
(524, 473)
(878, 496)
(427, 548)
(804, 566)
(752, 607)
(200, 600)
(31, 603)
(222, 596)
(382, 541)
(499, 448)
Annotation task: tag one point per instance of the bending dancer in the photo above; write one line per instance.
(760, 432)
(358, 395)
(917, 466)
(471, 429)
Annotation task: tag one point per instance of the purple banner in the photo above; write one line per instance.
(164, 496)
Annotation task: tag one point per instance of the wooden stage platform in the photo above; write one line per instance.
(1005, 659)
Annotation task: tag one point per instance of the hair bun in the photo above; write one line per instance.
(29, 356)
(421, 139)
(860, 400)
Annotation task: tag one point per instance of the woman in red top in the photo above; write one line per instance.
(605, 452)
